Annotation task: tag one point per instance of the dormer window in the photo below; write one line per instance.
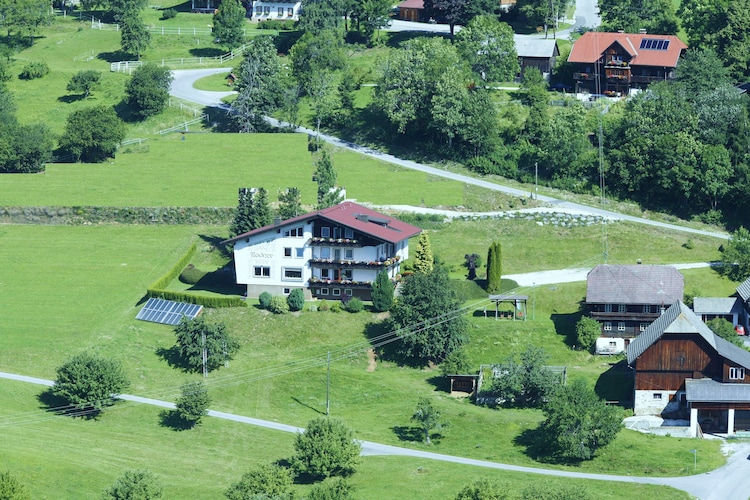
(736, 373)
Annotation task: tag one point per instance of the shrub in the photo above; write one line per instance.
(382, 292)
(323, 306)
(265, 481)
(296, 300)
(88, 381)
(273, 24)
(265, 300)
(355, 305)
(278, 305)
(326, 448)
(135, 484)
(336, 307)
(191, 275)
(168, 14)
(34, 70)
(482, 165)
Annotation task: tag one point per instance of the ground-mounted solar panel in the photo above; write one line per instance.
(168, 312)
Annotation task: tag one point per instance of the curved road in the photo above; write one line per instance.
(730, 482)
(182, 87)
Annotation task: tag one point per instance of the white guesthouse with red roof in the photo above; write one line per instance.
(334, 253)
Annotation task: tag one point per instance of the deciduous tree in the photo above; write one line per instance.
(488, 46)
(326, 448)
(527, 383)
(192, 405)
(229, 23)
(483, 489)
(135, 485)
(426, 315)
(194, 336)
(578, 423)
(93, 134)
(427, 417)
(736, 256)
(87, 381)
(725, 329)
(148, 90)
(84, 82)
(311, 54)
(134, 37)
(587, 331)
(333, 489)
(265, 481)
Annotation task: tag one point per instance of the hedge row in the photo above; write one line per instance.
(158, 287)
(119, 215)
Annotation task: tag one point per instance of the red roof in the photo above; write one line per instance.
(411, 4)
(592, 45)
(353, 215)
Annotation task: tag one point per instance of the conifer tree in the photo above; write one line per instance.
(423, 259)
(382, 292)
(326, 177)
(494, 267)
(241, 222)
(290, 203)
(260, 212)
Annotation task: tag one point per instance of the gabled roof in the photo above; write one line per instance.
(411, 4)
(680, 319)
(706, 390)
(744, 290)
(592, 45)
(349, 214)
(717, 305)
(527, 46)
(637, 284)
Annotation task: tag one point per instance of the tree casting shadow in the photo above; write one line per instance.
(173, 420)
(538, 447)
(172, 356)
(52, 403)
(408, 433)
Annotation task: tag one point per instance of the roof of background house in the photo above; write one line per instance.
(592, 44)
(744, 290)
(412, 4)
(349, 214)
(710, 391)
(527, 46)
(636, 284)
(680, 319)
(717, 305)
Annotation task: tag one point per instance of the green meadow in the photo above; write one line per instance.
(67, 289)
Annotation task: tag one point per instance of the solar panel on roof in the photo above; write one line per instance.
(654, 44)
(167, 312)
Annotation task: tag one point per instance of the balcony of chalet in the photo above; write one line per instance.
(316, 282)
(355, 264)
(584, 76)
(341, 242)
(621, 316)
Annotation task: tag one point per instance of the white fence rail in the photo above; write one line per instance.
(183, 127)
(132, 141)
(86, 56)
(129, 66)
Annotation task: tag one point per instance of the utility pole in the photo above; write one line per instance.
(536, 181)
(328, 385)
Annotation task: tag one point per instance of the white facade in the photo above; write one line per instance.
(656, 402)
(262, 11)
(610, 345)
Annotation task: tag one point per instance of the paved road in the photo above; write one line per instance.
(731, 482)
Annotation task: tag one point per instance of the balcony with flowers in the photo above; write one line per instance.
(341, 242)
(355, 264)
(345, 283)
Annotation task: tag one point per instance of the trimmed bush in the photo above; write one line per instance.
(191, 275)
(296, 300)
(34, 70)
(355, 305)
(170, 275)
(273, 24)
(323, 306)
(278, 305)
(265, 299)
(336, 307)
(168, 14)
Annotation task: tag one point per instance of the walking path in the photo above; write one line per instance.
(730, 482)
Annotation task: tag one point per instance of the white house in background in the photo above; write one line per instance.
(334, 253)
(262, 11)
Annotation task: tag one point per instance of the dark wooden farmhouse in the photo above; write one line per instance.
(682, 367)
(618, 62)
(626, 299)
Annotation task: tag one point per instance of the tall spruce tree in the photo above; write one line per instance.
(241, 222)
(325, 174)
(494, 267)
(290, 203)
(423, 259)
(382, 292)
(260, 211)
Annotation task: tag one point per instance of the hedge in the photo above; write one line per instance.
(117, 215)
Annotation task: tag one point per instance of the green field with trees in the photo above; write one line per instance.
(72, 288)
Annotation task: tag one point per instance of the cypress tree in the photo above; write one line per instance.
(494, 267)
(423, 259)
(382, 292)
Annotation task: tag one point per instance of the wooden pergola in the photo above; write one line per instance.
(520, 309)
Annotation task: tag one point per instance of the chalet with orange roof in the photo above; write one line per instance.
(615, 63)
(334, 253)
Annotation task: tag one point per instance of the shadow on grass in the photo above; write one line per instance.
(565, 325)
(114, 56)
(298, 401)
(173, 420)
(215, 242)
(183, 7)
(616, 384)
(67, 99)
(440, 383)
(538, 447)
(408, 433)
(389, 352)
(172, 357)
(55, 404)
(206, 52)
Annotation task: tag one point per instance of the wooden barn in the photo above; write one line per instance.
(682, 368)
